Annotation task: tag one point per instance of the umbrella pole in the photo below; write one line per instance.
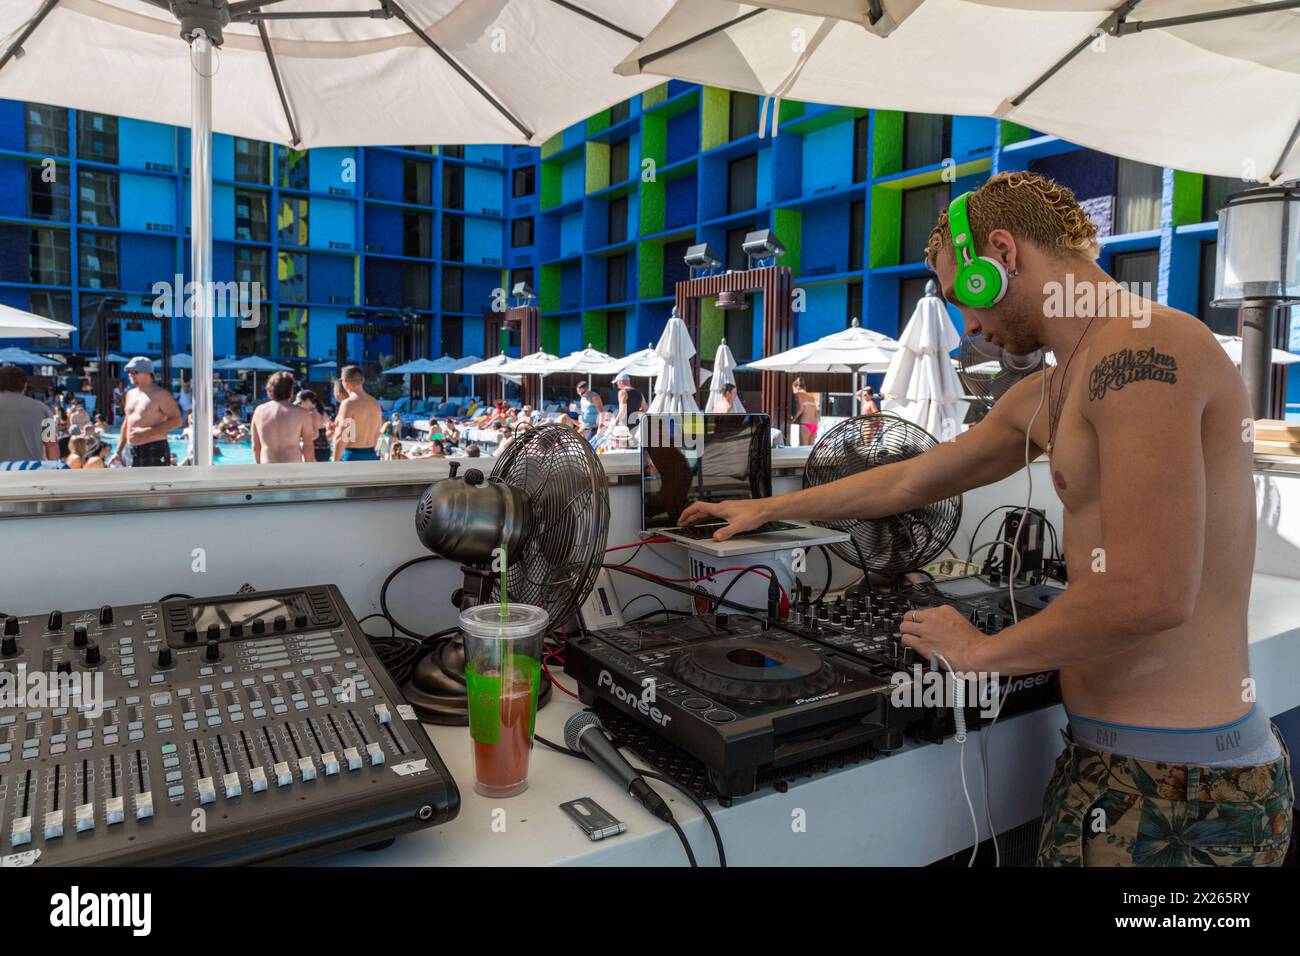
(201, 244)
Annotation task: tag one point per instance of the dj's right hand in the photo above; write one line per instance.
(739, 515)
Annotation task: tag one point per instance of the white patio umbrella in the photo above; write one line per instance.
(724, 373)
(448, 366)
(182, 360)
(17, 324)
(315, 73)
(19, 356)
(1215, 72)
(254, 364)
(676, 384)
(853, 350)
(921, 384)
(591, 361)
(1232, 345)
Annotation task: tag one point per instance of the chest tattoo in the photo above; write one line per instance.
(1126, 366)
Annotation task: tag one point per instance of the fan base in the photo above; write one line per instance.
(436, 688)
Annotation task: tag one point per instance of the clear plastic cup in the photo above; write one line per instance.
(503, 667)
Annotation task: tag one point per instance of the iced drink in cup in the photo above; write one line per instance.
(503, 665)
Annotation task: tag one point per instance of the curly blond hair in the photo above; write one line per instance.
(1029, 206)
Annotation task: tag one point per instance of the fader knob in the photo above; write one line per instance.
(79, 638)
(106, 615)
(92, 655)
(56, 621)
(213, 652)
(11, 626)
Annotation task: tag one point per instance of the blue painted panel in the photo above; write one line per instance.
(151, 200)
(683, 135)
(571, 234)
(484, 191)
(483, 241)
(828, 157)
(223, 211)
(573, 183)
(146, 260)
(333, 169)
(140, 143)
(330, 220)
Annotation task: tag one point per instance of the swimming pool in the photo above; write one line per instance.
(238, 453)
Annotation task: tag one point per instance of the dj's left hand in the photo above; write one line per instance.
(945, 630)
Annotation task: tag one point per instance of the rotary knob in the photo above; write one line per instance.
(214, 632)
(106, 615)
(8, 645)
(11, 626)
(92, 655)
(280, 622)
(165, 658)
(213, 652)
(191, 635)
(259, 626)
(55, 622)
(79, 638)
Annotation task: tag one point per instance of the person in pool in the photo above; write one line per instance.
(356, 427)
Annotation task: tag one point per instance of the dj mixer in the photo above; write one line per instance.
(254, 727)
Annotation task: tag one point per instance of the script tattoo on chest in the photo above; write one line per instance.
(1126, 366)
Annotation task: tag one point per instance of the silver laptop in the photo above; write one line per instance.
(706, 457)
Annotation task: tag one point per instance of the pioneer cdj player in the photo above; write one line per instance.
(745, 696)
(737, 694)
(249, 728)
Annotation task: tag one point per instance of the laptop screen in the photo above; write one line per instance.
(701, 457)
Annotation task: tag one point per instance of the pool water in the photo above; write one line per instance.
(239, 453)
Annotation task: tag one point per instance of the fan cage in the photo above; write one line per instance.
(556, 563)
(892, 544)
(987, 387)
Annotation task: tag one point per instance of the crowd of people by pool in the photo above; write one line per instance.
(149, 425)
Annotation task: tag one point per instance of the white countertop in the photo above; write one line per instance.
(906, 808)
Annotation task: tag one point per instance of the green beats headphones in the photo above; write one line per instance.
(981, 281)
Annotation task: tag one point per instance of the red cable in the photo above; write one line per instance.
(637, 544)
(556, 683)
(707, 577)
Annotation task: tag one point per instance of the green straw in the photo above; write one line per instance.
(505, 565)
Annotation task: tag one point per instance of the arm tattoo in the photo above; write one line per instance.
(1121, 368)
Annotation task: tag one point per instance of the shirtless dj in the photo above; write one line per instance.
(1146, 424)
(150, 413)
(356, 427)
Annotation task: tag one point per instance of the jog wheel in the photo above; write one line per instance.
(436, 687)
(747, 668)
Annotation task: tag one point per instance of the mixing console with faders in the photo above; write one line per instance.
(248, 728)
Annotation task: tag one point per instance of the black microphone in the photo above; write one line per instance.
(584, 734)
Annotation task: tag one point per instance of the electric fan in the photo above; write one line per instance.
(538, 524)
(892, 544)
(987, 371)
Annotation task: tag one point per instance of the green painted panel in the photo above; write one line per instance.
(715, 117)
(595, 328)
(713, 326)
(549, 332)
(597, 166)
(650, 269)
(886, 228)
(654, 201)
(598, 123)
(654, 96)
(1012, 132)
(1189, 189)
(549, 292)
(552, 145)
(654, 139)
(551, 193)
(788, 226)
(887, 143)
(789, 110)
